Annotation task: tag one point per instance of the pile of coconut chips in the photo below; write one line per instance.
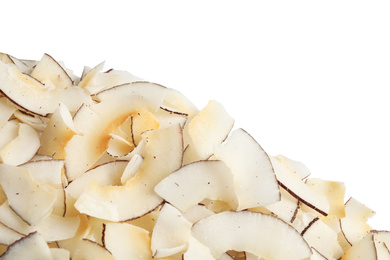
(107, 166)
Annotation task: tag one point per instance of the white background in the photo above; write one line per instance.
(308, 79)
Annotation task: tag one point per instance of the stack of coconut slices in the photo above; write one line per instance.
(107, 166)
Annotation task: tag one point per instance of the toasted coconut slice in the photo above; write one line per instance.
(167, 118)
(321, 237)
(31, 200)
(196, 181)
(132, 168)
(354, 225)
(8, 132)
(10, 219)
(39, 123)
(46, 171)
(100, 120)
(58, 132)
(7, 109)
(382, 243)
(293, 184)
(119, 146)
(22, 148)
(285, 208)
(33, 96)
(118, 203)
(8, 235)
(48, 70)
(255, 181)
(363, 249)
(90, 249)
(22, 65)
(89, 74)
(295, 166)
(32, 247)
(109, 79)
(106, 174)
(197, 250)
(176, 101)
(210, 127)
(257, 233)
(55, 228)
(171, 232)
(126, 241)
(335, 193)
(142, 123)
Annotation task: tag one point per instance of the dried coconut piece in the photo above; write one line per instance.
(22, 148)
(49, 71)
(97, 122)
(126, 241)
(171, 232)
(363, 249)
(90, 249)
(105, 80)
(32, 201)
(254, 177)
(8, 132)
(39, 123)
(33, 96)
(106, 174)
(59, 130)
(8, 235)
(164, 149)
(194, 182)
(257, 233)
(294, 185)
(10, 219)
(31, 247)
(7, 110)
(354, 225)
(209, 127)
(334, 192)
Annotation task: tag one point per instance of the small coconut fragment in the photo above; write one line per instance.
(8, 235)
(49, 71)
(126, 241)
(171, 232)
(363, 249)
(209, 127)
(22, 148)
(31, 247)
(7, 109)
(354, 225)
(59, 130)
